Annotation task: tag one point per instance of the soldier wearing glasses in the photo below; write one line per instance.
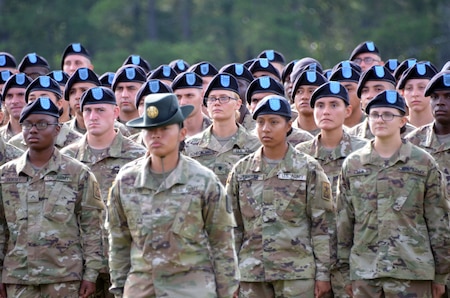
(223, 143)
(392, 212)
(50, 215)
(366, 55)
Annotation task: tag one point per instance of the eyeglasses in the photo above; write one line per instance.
(367, 60)
(221, 99)
(384, 116)
(39, 125)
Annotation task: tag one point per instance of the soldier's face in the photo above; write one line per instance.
(40, 139)
(440, 106)
(126, 96)
(330, 113)
(302, 97)
(164, 141)
(190, 96)
(99, 118)
(386, 129)
(272, 130)
(75, 93)
(414, 94)
(352, 96)
(371, 89)
(75, 61)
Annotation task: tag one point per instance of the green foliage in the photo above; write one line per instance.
(224, 31)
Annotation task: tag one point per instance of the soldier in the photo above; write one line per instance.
(104, 150)
(75, 56)
(262, 67)
(206, 71)
(275, 58)
(50, 208)
(170, 223)
(45, 86)
(282, 203)
(164, 73)
(13, 94)
(366, 55)
(330, 147)
(187, 86)
(8, 62)
(34, 65)
(393, 224)
(4, 76)
(62, 77)
(139, 61)
(223, 143)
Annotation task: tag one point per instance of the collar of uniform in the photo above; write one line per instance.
(63, 134)
(179, 175)
(341, 151)
(373, 157)
(283, 166)
(23, 165)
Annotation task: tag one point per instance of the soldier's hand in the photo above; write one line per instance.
(87, 288)
(321, 288)
(349, 290)
(3, 290)
(438, 290)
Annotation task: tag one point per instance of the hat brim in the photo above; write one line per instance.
(179, 116)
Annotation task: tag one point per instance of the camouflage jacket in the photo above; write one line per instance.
(205, 148)
(392, 216)
(282, 215)
(8, 152)
(362, 130)
(65, 137)
(6, 132)
(49, 222)
(165, 234)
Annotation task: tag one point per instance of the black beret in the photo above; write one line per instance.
(446, 66)
(387, 99)
(33, 59)
(262, 85)
(222, 81)
(273, 105)
(263, 64)
(4, 76)
(152, 87)
(161, 109)
(345, 74)
(391, 64)
(82, 74)
(238, 70)
(303, 64)
(129, 73)
(272, 55)
(42, 105)
(7, 60)
(60, 76)
(74, 49)
(204, 69)
(43, 83)
(364, 47)
(179, 65)
(375, 73)
(310, 78)
(403, 66)
(287, 70)
(187, 80)
(163, 72)
(107, 78)
(419, 70)
(18, 80)
(97, 95)
(330, 89)
(441, 81)
(348, 63)
(139, 61)
(249, 62)
(327, 73)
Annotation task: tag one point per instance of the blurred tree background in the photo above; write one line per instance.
(224, 31)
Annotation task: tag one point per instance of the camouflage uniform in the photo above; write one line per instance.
(331, 162)
(248, 123)
(282, 216)
(392, 217)
(170, 239)
(362, 130)
(6, 132)
(8, 152)
(65, 137)
(52, 217)
(205, 148)
(314, 132)
(296, 136)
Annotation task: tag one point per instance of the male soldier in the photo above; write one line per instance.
(282, 203)
(261, 67)
(45, 86)
(304, 86)
(104, 150)
(14, 100)
(169, 222)
(106, 79)
(366, 55)
(373, 81)
(206, 71)
(34, 65)
(139, 61)
(179, 65)
(187, 86)
(223, 143)
(330, 147)
(62, 77)
(8, 62)
(127, 81)
(393, 224)
(50, 215)
(275, 58)
(75, 56)
(286, 81)
(4, 76)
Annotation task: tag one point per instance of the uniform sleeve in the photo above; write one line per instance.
(320, 209)
(437, 219)
(119, 239)
(220, 224)
(3, 233)
(90, 225)
(345, 219)
(232, 190)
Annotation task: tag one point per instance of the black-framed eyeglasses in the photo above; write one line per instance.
(39, 125)
(367, 60)
(221, 99)
(384, 116)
